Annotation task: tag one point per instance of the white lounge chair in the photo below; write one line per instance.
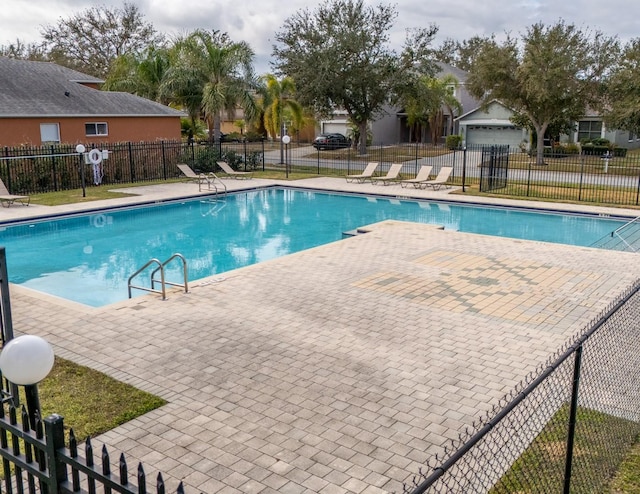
(440, 180)
(367, 174)
(231, 173)
(391, 176)
(199, 178)
(421, 177)
(8, 199)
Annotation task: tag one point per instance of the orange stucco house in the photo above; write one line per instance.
(44, 103)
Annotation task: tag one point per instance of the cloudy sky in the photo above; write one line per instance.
(256, 21)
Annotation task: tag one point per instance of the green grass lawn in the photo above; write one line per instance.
(89, 401)
(601, 442)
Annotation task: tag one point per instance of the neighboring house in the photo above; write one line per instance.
(392, 128)
(43, 103)
(491, 126)
(449, 124)
(591, 126)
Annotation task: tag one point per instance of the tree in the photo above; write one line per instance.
(139, 74)
(279, 105)
(461, 55)
(209, 74)
(23, 51)
(91, 40)
(426, 104)
(623, 91)
(339, 57)
(554, 74)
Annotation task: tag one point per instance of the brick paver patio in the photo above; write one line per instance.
(338, 369)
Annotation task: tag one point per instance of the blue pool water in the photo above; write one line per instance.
(89, 258)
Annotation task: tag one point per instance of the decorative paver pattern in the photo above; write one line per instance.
(513, 289)
(339, 369)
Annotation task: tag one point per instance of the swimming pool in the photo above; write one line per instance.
(89, 258)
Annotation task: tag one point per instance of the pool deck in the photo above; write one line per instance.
(339, 369)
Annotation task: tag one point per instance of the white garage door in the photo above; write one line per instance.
(487, 134)
(331, 127)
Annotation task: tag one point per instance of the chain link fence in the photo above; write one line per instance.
(565, 428)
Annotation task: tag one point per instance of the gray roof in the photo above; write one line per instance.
(459, 74)
(44, 89)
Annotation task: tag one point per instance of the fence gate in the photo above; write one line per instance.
(493, 168)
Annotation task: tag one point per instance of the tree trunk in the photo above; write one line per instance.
(362, 143)
(540, 131)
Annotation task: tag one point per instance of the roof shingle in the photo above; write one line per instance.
(44, 89)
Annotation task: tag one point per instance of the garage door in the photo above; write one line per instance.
(340, 128)
(486, 134)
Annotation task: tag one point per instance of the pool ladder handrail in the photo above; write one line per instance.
(211, 181)
(163, 282)
(617, 233)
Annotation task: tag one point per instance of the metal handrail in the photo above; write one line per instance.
(617, 231)
(211, 182)
(147, 289)
(163, 281)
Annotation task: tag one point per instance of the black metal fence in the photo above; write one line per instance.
(38, 461)
(28, 170)
(607, 179)
(566, 428)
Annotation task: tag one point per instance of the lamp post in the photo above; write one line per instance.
(26, 360)
(286, 140)
(80, 149)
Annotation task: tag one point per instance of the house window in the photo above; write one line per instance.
(632, 136)
(96, 129)
(589, 129)
(49, 132)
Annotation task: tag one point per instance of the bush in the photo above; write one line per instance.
(253, 136)
(561, 150)
(601, 141)
(453, 141)
(592, 150)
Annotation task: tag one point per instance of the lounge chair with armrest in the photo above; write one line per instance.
(8, 199)
(440, 180)
(188, 172)
(421, 177)
(367, 174)
(231, 173)
(391, 176)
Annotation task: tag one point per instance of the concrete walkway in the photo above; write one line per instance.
(340, 369)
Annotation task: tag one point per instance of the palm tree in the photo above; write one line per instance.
(280, 106)
(139, 74)
(426, 101)
(211, 75)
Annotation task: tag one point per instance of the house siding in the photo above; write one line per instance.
(26, 131)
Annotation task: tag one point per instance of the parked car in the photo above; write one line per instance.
(331, 141)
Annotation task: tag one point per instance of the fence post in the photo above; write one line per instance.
(638, 191)
(164, 161)
(581, 176)
(53, 169)
(132, 170)
(6, 155)
(464, 167)
(54, 439)
(572, 419)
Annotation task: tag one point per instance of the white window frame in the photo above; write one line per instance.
(49, 132)
(100, 128)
